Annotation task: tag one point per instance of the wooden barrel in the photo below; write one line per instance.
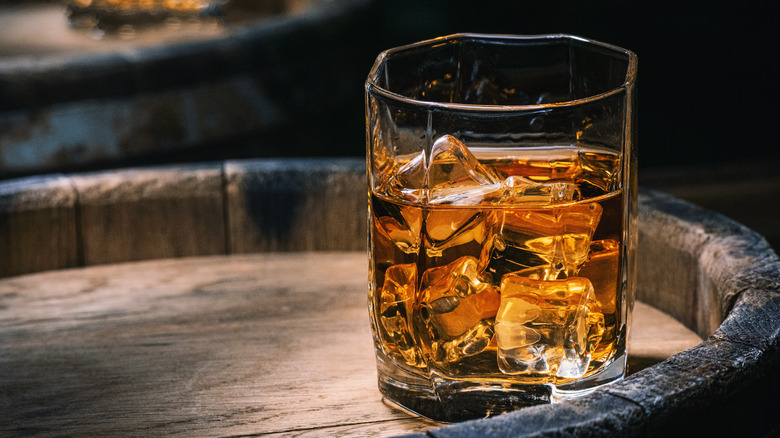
(288, 78)
(229, 207)
(715, 276)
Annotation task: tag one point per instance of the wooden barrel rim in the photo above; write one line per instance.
(724, 385)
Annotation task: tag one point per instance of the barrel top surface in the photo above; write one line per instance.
(223, 345)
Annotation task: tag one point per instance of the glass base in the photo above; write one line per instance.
(447, 400)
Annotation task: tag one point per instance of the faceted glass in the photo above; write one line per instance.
(502, 220)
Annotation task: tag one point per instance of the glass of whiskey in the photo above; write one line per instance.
(502, 220)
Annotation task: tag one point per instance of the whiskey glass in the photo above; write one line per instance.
(502, 220)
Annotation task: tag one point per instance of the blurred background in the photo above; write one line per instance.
(270, 78)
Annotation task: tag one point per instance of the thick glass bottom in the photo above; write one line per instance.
(447, 400)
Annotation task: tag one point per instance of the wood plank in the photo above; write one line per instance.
(296, 205)
(660, 258)
(191, 346)
(654, 336)
(37, 225)
(275, 344)
(693, 264)
(152, 212)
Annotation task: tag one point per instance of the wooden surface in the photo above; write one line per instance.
(713, 275)
(38, 229)
(261, 344)
(229, 207)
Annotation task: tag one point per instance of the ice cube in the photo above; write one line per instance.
(547, 327)
(601, 171)
(395, 311)
(602, 269)
(409, 180)
(520, 190)
(557, 237)
(456, 308)
(511, 331)
(455, 176)
(450, 174)
(474, 341)
(459, 278)
(515, 310)
(398, 224)
(455, 227)
(500, 256)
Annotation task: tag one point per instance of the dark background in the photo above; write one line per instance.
(707, 73)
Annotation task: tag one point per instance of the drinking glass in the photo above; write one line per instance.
(502, 220)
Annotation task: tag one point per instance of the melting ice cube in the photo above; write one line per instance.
(547, 327)
(409, 180)
(453, 163)
(511, 319)
(455, 176)
(557, 237)
(521, 190)
(450, 174)
(602, 268)
(395, 310)
(456, 309)
(398, 224)
(456, 228)
(459, 278)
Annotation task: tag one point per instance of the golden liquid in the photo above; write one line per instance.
(502, 280)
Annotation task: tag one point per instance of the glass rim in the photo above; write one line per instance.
(375, 89)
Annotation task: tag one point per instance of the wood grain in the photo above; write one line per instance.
(37, 225)
(693, 264)
(205, 346)
(296, 205)
(132, 214)
(154, 212)
(262, 344)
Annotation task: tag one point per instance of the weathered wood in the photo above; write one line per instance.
(273, 344)
(37, 225)
(714, 389)
(202, 346)
(146, 213)
(693, 263)
(654, 336)
(296, 205)
(188, 210)
(712, 274)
